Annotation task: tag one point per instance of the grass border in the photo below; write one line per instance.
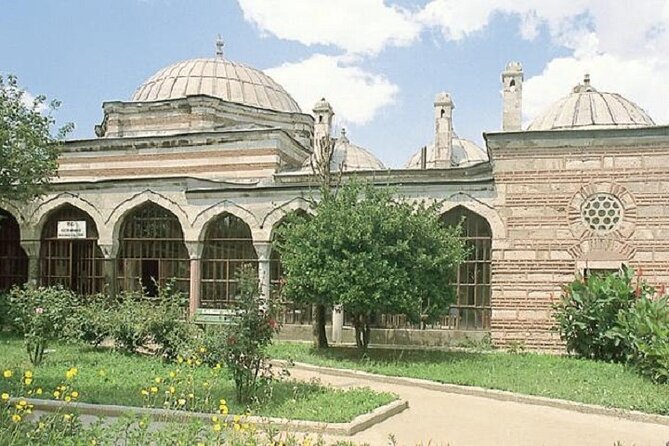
(358, 424)
(501, 395)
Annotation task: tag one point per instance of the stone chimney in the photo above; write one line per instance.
(512, 93)
(443, 130)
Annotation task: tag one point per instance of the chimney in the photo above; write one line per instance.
(323, 126)
(443, 129)
(512, 93)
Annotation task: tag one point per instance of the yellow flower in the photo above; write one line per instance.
(222, 402)
(38, 391)
(223, 409)
(217, 427)
(28, 381)
(5, 396)
(218, 365)
(68, 399)
(142, 424)
(198, 362)
(67, 417)
(214, 419)
(205, 384)
(172, 389)
(181, 401)
(158, 380)
(154, 389)
(75, 394)
(7, 373)
(56, 394)
(203, 350)
(23, 403)
(180, 359)
(102, 373)
(191, 396)
(28, 374)
(173, 374)
(236, 427)
(71, 373)
(145, 392)
(16, 418)
(236, 418)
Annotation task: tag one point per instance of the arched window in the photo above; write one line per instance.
(472, 309)
(228, 245)
(13, 260)
(69, 251)
(152, 250)
(291, 313)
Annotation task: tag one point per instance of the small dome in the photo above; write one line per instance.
(587, 108)
(219, 78)
(349, 157)
(464, 153)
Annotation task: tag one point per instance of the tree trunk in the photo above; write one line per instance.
(320, 337)
(362, 332)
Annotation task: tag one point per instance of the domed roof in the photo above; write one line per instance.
(587, 108)
(464, 153)
(220, 78)
(349, 157)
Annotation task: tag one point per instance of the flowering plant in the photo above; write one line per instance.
(41, 314)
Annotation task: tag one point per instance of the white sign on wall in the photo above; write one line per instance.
(71, 229)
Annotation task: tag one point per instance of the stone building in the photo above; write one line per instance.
(190, 178)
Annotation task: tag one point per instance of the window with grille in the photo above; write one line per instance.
(74, 263)
(228, 245)
(13, 260)
(152, 251)
(472, 308)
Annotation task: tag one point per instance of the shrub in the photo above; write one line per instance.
(588, 312)
(168, 325)
(4, 311)
(93, 320)
(42, 314)
(644, 332)
(128, 321)
(243, 343)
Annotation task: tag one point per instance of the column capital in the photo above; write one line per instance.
(195, 248)
(31, 247)
(263, 250)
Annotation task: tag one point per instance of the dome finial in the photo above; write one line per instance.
(219, 47)
(343, 135)
(586, 79)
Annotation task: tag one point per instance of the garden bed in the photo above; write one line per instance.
(105, 376)
(590, 382)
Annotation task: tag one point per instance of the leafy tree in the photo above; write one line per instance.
(372, 253)
(28, 151)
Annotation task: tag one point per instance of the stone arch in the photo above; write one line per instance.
(14, 210)
(71, 259)
(120, 212)
(204, 218)
(45, 209)
(276, 215)
(151, 249)
(481, 208)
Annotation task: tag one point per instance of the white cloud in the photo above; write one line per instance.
(356, 26)
(355, 94)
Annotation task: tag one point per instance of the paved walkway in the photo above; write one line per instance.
(461, 420)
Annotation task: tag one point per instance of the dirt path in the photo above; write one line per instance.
(460, 420)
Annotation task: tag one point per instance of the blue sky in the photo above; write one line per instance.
(380, 63)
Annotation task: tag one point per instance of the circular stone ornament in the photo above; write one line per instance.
(602, 212)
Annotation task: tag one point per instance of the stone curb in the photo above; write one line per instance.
(358, 424)
(500, 395)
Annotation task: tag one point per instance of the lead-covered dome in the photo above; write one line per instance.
(587, 108)
(463, 153)
(349, 157)
(220, 78)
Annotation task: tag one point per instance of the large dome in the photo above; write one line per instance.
(587, 108)
(219, 78)
(464, 153)
(348, 157)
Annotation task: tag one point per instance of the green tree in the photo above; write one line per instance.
(371, 253)
(28, 150)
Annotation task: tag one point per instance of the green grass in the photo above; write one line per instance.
(109, 377)
(592, 382)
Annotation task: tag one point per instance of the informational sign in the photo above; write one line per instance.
(71, 229)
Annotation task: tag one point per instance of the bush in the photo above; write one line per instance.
(4, 311)
(587, 314)
(93, 320)
(644, 332)
(42, 314)
(242, 345)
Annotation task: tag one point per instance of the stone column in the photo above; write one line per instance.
(31, 247)
(337, 323)
(263, 250)
(195, 254)
(109, 269)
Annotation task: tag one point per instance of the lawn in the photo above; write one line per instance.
(107, 376)
(592, 382)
